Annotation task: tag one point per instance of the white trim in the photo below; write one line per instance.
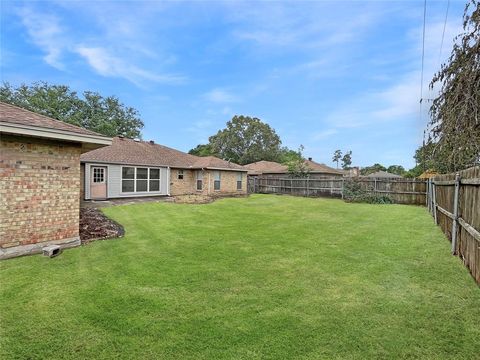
(135, 192)
(18, 129)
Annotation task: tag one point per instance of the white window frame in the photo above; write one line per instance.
(103, 174)
(215, 173)
(180, 173)
(199, 177)
(135, 180)
(240, 180)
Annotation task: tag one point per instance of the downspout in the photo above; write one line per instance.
(168, 181)
(209, 183)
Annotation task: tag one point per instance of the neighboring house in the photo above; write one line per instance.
(134, 168)
(383, 174)
(274, 169)
(352, 172)
(40, 180)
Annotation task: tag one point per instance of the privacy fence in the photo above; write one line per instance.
(402, 191)
(454, 202)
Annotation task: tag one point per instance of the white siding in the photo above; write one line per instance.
(114, 182)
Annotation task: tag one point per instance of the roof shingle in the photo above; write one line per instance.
(135, 152)
(16, 115)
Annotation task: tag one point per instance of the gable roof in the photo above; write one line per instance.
(136, 152)
(272, 167)
(383, 174)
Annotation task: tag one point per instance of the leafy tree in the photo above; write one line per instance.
(347, 160)
(337, 155)
(396, 169)
(455, 120)
(297, 166)
(105, 115)
(288, 155)
(245, 140)
(371, 169)
(202, 150)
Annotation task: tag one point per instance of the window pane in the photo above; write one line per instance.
(239, 185)
(239, 177)
(154, 185)
(142, 173)
(216, 185)
(216, 175)
(199, 175)
(154, 173)
(180, 174)
(141, 185)
(127, 186)
(199, 185)
(128, 173)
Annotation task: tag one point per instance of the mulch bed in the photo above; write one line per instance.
(94, 225)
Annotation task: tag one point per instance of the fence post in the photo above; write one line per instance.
(375, 187)
(455, 213)
(435, 203)
(426, 193)
(308, 180)
(343, 186)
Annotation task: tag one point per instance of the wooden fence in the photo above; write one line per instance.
(454, 202)
(402, 191)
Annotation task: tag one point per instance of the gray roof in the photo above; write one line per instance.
(383, 174)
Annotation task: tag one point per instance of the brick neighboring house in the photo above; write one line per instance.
(274, 169)
(39, 180)
(133, 168)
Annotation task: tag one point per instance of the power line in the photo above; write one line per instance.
(423, 50)
(443, 33)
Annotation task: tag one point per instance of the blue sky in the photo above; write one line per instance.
(328, 75)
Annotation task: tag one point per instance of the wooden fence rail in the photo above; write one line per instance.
(402, 191)
(454, 202)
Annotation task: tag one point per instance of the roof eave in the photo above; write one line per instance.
(89, 142)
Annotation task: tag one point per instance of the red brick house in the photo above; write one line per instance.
(40, 180)
(135, 168)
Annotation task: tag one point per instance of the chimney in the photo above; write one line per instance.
(152, 142)
(309, 159)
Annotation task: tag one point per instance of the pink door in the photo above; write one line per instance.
(98, 182)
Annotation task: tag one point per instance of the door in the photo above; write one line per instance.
(98, 182)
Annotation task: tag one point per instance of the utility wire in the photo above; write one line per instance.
(421, 77)
(443, 33)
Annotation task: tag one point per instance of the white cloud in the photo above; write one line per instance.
(46, 32)
(107, 64)
(220, 96)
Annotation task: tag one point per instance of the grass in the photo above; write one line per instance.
(271, 277)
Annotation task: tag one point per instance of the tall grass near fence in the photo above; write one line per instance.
(454, 202)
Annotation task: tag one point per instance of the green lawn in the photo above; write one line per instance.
(270, 277)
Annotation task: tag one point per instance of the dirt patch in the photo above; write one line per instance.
(94, 225)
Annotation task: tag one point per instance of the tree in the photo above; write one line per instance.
(347, 160)
(396, 169)
(455, 116)
(287, 155)
(245, 140)
(202, 150)
(371, 169)
(337, 155)
(105, 115)
(297, 166)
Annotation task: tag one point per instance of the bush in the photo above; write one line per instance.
(353, 192)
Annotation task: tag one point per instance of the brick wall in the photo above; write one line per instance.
(39, 191)
(228, 183)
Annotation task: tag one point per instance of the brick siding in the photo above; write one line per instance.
(39, 191)
(188, 185)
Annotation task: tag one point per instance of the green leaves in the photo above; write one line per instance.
(105, 115)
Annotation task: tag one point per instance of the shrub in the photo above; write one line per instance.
(354, 192)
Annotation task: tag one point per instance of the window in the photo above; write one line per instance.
(154, 178)
(98, 175)
(239, 181)
(180, 175)
(199, 180)
(216, 180)
(128, 179)
(140, 179)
